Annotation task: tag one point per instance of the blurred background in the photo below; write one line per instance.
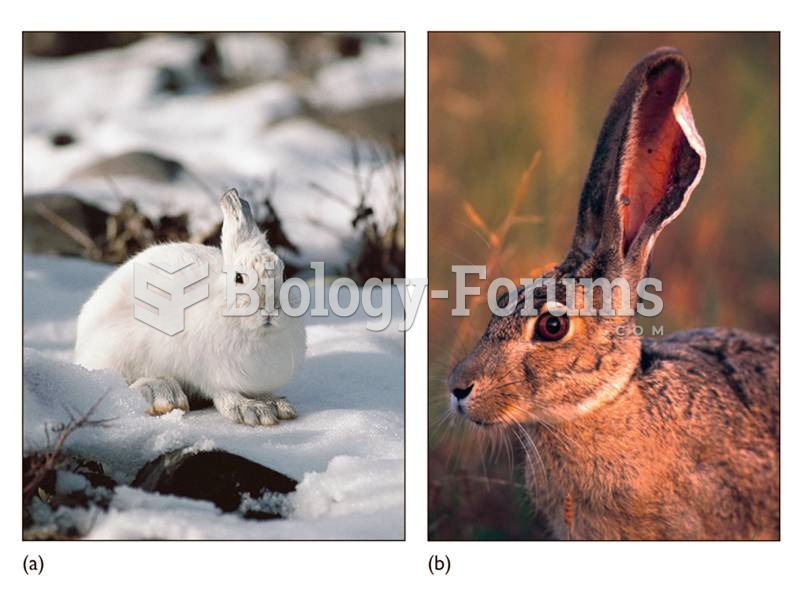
(131, 138)
(514, 119)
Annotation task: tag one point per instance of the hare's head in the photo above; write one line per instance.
(247, 253)
(552, 367)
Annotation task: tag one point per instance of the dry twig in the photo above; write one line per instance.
(51, 459)
(496, 238)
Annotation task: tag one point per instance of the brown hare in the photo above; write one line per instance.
(625, 437)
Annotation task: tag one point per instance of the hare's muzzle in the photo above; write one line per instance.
(460, 385)
(458, 396)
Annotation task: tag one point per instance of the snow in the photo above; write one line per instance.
(237, 136)
(376, 75)
(252, 56)
(345, 449)
(68, 482)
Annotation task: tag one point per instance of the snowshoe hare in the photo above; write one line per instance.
(237, 362)
(625, 437)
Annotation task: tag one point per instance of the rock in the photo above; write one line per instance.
(47, 219)
(146, 165)
(56, 43)
(382, 121)
(210, 62)
(62, 138)
(349, 45)
(225, 479)
(170, 80)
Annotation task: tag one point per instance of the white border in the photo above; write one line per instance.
(257, 569)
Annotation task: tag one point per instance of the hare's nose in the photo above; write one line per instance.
(461, 393)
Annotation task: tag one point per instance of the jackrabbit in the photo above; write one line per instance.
(631, 438)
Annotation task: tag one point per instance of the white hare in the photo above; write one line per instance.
(238, 362)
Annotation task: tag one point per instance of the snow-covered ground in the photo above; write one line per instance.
(346, 447)
(111, 102)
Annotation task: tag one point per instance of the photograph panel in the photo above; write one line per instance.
(643, 409)
(203, 354)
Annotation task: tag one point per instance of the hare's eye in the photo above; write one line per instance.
(551, 328)
(239, 278)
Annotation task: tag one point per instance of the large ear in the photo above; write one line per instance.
(238, 223)
(648, 160)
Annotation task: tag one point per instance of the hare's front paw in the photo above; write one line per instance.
(162, 393)
(264, 410)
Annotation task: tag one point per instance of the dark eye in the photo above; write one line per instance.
(239, 278)
(551, 328)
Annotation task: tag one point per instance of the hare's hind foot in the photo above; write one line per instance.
(262, 410)
(163, 394)
(284, 409)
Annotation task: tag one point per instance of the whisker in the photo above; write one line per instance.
(535, 449)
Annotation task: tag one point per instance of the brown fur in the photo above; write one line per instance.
(624, 437)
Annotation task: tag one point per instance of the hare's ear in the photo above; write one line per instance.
(238, 223)
(648, 160)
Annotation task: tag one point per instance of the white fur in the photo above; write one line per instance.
(237, 362)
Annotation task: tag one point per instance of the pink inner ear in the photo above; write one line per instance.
(651, 149)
